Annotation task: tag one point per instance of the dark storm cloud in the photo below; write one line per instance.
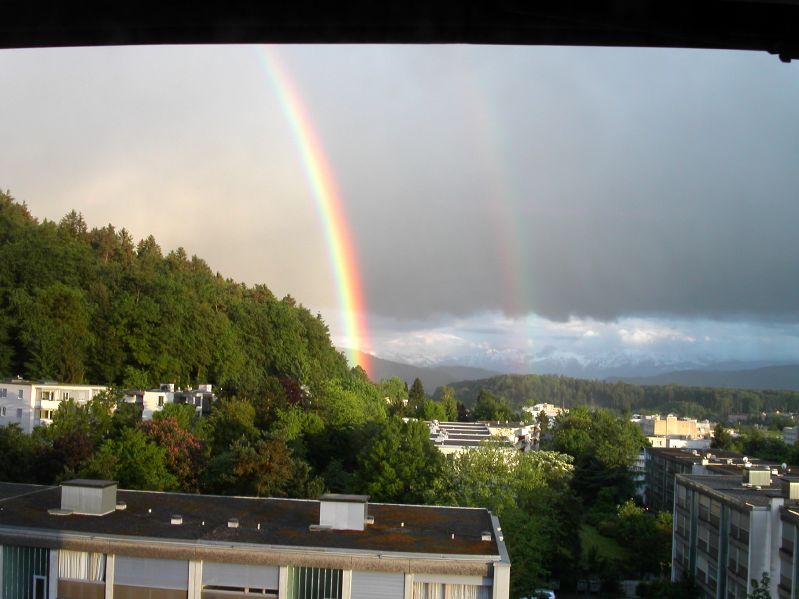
(595, 183)
(592, 183)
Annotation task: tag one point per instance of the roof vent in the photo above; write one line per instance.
(176, 519)
(233, 523)
(485, 536)
(757, 477)
(790, 487)
(370, 520)
(343, 512)
(89, 497)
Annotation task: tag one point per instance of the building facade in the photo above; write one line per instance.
(88, 540)
(30, 404)
(730, 530)
(663, 464)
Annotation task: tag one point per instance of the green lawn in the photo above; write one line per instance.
(605, 547)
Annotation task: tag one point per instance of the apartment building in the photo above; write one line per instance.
(729, 530)
(454, 437)
(664, 463)
(150, 401)
(88, 540)
(790, 435)
(30, 404)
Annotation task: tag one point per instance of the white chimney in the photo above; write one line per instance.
(343, 512)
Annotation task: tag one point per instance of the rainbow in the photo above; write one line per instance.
(341, 250)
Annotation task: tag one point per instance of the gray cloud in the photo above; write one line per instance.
(595, 183)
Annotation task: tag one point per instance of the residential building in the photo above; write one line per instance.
(671, 425)
(729, 530)
(663, 464)
(30, 404)
(88, 540)
(153, 400)
(790, 434)
(453, 437)
(551, 411)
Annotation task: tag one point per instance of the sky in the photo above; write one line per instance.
(503, 204)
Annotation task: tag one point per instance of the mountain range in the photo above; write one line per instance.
(631, 368)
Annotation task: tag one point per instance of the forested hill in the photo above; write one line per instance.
(523, 390)
(93, 305)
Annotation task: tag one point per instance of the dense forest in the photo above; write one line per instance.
(92, 305)
(697, 402)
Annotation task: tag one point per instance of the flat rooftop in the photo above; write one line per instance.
(267, 521)
(731, 489)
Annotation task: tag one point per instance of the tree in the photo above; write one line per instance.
(17, 450)
(489, 407)
(133, 461)
(230, 420)
(449, 403)
(604, 447)
(394, 392)
(416, 398)
(184, 452)
(760, 590)
(722, 439)
(400, 464)
(264, 469)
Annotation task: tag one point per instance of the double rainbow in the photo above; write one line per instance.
(341, 250)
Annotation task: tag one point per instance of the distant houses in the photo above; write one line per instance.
(30, 404)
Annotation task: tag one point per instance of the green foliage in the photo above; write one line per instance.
(449, 404)
(184, 457)
(498, 477)
(231, 420)
(490, 407)
(722, 439)
(394, 392)
(18, 453)
(416, 398)
(695, 402)
(760, 590)
(261, 468)
(400, 464)
(604, 447)
(80, 304)
(133, 461)
(647, 538)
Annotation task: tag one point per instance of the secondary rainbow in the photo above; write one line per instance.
(341, 250)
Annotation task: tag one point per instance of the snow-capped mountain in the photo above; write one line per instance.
(615, 364)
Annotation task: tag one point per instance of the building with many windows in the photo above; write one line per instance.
(662, 464)
(729, 530)
(88, 540)
(30, 404)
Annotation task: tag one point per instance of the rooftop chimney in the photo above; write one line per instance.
(343, 512)
(89, 497)
(757, 477)
(790, 487)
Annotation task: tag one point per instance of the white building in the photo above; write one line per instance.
(790, 434)
(30, 404)
(154, 400)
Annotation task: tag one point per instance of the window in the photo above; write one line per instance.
(65, 395)
(160, 401)
(313, 583)
(21, 394)
(19, 413)
(437, 590)
(81, 565)
(3, 411)
(3, 392)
